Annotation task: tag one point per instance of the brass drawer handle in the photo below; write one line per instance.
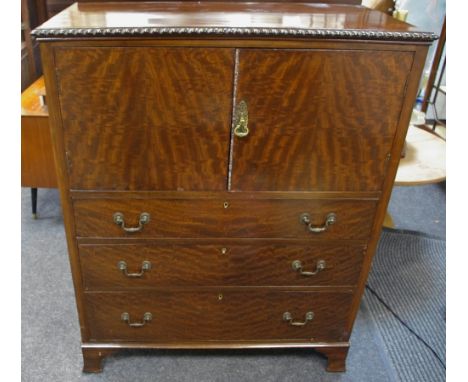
(297, 266)
(241, 119)
(147, 317)
(288, 317)
(120, 221)
(329, 220)
(145, 266)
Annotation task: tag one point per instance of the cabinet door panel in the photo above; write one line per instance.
(146, 118)
(318, 120)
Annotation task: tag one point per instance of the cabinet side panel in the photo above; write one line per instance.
(56, 132)
(397, 146)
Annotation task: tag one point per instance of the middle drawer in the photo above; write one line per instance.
(171, 264)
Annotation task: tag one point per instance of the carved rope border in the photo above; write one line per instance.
(229, 31)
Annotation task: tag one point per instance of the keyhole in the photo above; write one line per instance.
(220, 296)
(223, 251)
(226, 204)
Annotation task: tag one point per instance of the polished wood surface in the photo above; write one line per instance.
(210, 218)
(205, 191)
(303, 107)
(225, 14)
(420, 53)
(241, 263)
(218, 315)
(30, 100)
(37, 161)
(134, 92)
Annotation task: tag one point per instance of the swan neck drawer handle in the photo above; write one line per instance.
(329, 220)
(147, 317)
(297, 266)
(145, 266)
(288, 318)
(119, 219)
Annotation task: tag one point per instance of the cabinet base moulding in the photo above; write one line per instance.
(94, 354)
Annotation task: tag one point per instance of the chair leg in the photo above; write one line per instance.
(34, 202)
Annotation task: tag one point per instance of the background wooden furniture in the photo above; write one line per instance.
(224, 149)
(424, 162)
(37, 161)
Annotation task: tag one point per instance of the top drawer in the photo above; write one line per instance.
(224, 217)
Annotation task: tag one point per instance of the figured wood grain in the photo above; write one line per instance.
(146, 119)
(56, 133)
(197, 316)
(318, 120)
(193, 315)
(198, 195)
(209, 218)
(195, 265)
(403, 124)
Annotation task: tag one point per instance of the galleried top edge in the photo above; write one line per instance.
(238, 19)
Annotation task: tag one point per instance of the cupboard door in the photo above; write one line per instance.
(146, 118)
(318, 120)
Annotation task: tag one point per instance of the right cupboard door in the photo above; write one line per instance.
(318, 120)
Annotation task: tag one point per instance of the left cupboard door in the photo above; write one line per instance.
(146, 118)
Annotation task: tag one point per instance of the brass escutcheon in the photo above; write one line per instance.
(241, 120)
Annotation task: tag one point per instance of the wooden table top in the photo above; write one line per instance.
(30, 101)
(424, 162)
(338, 21)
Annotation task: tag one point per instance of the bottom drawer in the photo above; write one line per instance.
(218, 315)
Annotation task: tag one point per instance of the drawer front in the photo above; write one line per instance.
(259, 218)
(111, 267)
(217, 315)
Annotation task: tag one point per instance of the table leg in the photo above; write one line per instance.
(34, 202)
